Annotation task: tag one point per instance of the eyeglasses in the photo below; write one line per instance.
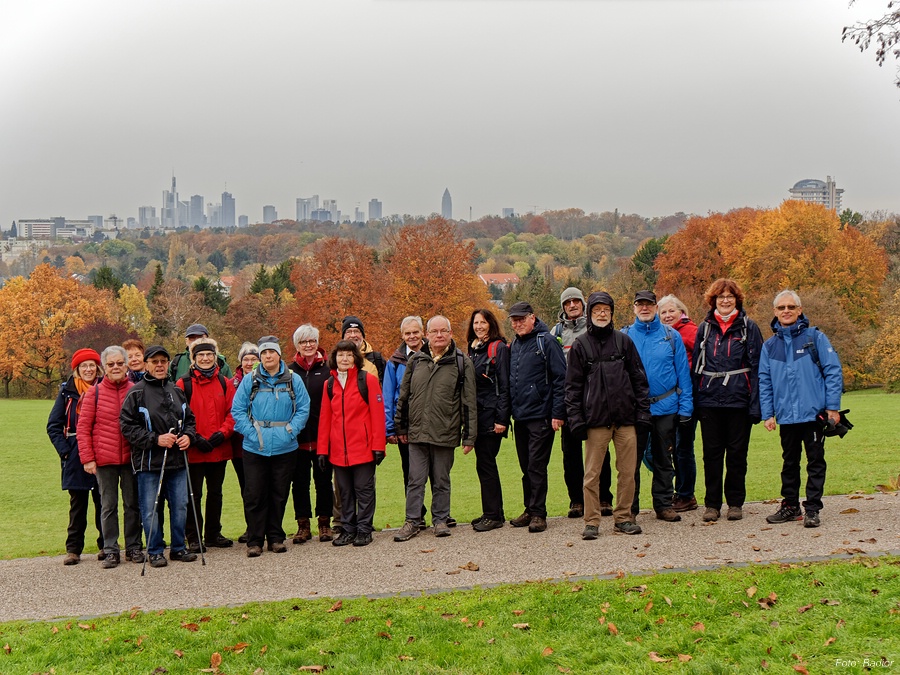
(601, 310)
(306, 343)
(781, 308)
(440, 331)
(115, 364)
(726, 297)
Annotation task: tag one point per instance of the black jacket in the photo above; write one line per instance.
(61, 430)
(605, 383)
(314, 380)
(537, 376)
(738, 348)
(491, 386)
(152, 408)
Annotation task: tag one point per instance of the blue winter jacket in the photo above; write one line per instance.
(537, 376)
(393, 376)
(275, 423)
(792, 388)
(666, 364)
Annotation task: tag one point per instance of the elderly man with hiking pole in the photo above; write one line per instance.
(800, 383)
(160, 427)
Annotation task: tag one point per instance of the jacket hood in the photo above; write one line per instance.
(600, 298)
(801, 324)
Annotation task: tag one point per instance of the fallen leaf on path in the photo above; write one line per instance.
(427, 550)
(472, 567)
(454, 572)
(850, 511)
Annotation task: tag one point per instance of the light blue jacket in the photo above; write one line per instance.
(270, 424)
(393, 376)
(666, 368)
(792, 388)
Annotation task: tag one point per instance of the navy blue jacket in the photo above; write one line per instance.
(792, 388)
(61, 427)
(737, 349)
(537, 376)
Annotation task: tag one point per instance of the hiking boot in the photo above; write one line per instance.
(711, 515)
(785, 514)
(521, 521)
(811, 519)
(194, 547)
(576, 511)
(219, 542)
(344, 538)
(243, 538)
(606, 509)
(158, 560)
(303, 531)
(537, 524)
(71, 559)
(451, 521)
(478, 520)
(101, 556)
(668, 515)
(442, 530)
(590, 532)
(135, 555)
(111, 560)
(407, 532)
(363, 539)
(277, 547)
(325, 532)
(735, 513)
(183, 556)
(487, 524)
(628, 527)
(682, 504)
(254, 551)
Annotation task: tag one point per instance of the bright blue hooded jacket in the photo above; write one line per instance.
(792, 388)
(270, 424)
(666, 368)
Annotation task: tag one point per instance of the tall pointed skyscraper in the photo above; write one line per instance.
(447, 205)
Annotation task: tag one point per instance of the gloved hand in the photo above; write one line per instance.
(685, 419)
(217, 439)
(379, 457)
(323, 462)
(580, 433)
(202, 444)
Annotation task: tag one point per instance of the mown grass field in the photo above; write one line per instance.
(35, 508)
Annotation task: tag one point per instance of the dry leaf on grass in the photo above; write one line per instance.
(698, 627)
(656, 658)
(648, 607)
(801, 669)
(178, 653)
(612, 628)
(768, 601)
(385, 636)
(263, 649)
(521, 626)
(191, 627)
(314, 669)
(803, 609)
(406, 657)
(830, 641)
(336, 606)
(547, 651)
(215, 660)
(351, 619)
(751, 591)
(637, 589)
(518, 612)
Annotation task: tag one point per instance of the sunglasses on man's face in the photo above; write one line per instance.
(781, 308)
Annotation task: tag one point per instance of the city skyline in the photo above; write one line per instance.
(684, 106)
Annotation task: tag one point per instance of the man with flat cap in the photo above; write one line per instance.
(181, 365)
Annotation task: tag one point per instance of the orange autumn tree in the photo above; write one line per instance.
(35, 315)
(433, 272)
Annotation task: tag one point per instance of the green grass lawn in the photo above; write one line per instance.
(822, 617)
(35, 509)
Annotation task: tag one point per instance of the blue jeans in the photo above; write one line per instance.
(175, 489)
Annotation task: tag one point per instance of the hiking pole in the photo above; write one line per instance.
(154, 515)
(187, 467)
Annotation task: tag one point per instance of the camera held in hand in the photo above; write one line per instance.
(839, 429)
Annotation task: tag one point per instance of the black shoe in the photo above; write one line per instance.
(220, 542)
(363, 539)
(477, 520)
(451, 521)
(628, 527)
(135, 555)
(487, 524)
(606, 509)
(243, 538)
(101, 556)
(344, 539)
(811, 519)
(111, 560)
(194, 547)
(183, 556)
(785, 514)
(158, 560)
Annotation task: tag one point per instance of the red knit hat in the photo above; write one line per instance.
(83, 355)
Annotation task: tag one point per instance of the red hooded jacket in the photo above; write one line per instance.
(211, 406)
(350, 429)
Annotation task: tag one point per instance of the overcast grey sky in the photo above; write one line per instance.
(651, 107)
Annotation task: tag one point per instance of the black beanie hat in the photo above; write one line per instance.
(352, 322)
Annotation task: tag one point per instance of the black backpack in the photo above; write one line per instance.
(361, 384)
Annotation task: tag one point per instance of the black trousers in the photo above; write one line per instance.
(726, 440)
(306, 466)
(78, 511)
(487, 447)
(534, 441)
(214, 475)
(357, 487)
(661, 434)
(268, 485)
(793, 438)
(238, 464)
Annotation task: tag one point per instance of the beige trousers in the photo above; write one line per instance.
(595, 449)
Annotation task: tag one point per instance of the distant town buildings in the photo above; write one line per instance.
(502, 281)
(816, 191)
(374, 209)
(270, 215)
(244, 221)
(447, 205)
(227, 216)
(306, 206)
(509, 213)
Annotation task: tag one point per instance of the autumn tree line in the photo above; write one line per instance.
(846, 268)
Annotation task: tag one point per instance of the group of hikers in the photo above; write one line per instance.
(135, 426)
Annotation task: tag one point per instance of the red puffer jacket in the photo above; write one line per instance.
(100, 438)
(350, 429)
(211, 405)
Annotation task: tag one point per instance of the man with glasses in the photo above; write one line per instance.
(436, 411)
(537, 378)
(800, 383)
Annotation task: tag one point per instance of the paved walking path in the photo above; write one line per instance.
(42, 588)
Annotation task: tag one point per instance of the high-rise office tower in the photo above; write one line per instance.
(243, 221)
(306, 206)
(270, 215)
(196, 217)
(359, 216)
(330, 205)
(446, 205)
(816, 191)
(169, 215)
(147, 216)
(227, 216)
(374, 209)
(97, 222)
